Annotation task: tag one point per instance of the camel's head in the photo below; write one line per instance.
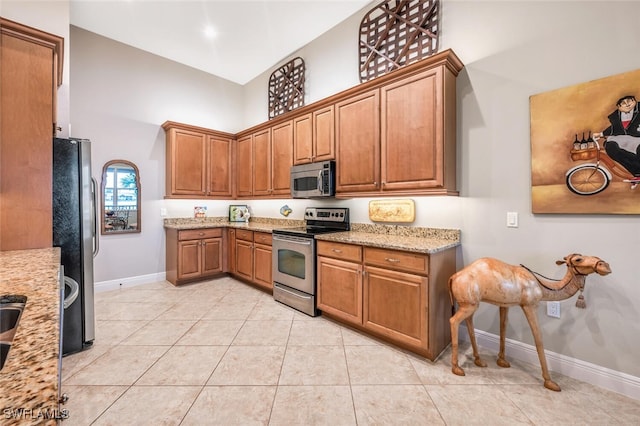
(585, 265)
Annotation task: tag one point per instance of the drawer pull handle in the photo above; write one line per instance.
(201, 233)
(336, 250)
(392, 260)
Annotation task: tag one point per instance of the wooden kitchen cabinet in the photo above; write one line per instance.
(198, 162)
(282, 158)
(193, 254)
(339, 276)
(264, 160)
(262, 184)
(399, 296)
(358, 143)
(253, 257)
(244, 166)
(31, 64)
(262, 260)
(314, 136)
(400, 138)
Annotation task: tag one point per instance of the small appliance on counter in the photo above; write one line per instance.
(75, 232)
(294, 257)
(314, 180)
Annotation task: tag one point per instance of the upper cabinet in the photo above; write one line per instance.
(31, 71)
(264, 161)
(393, 135)
(314, 136)
(400, 137)
(199, 162)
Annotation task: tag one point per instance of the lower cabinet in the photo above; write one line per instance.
(252, 254)
(340, 281)
(399, 296)
(193, 254)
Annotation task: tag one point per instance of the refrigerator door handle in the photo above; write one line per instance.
(94, 207)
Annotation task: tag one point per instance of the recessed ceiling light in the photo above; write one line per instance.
(210, 32)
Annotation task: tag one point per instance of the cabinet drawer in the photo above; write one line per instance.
(243, 234)
(196, 234)
(340, 251)
(399, 260)
(262, 238)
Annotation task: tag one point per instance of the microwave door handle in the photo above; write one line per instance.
(320, 181)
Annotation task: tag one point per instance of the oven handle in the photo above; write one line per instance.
(288, 238)
(292, 293)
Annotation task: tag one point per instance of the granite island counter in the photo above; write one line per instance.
(29, 380)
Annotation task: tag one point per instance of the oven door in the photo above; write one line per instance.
(294, 262)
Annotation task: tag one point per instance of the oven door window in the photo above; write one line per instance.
(291, 262)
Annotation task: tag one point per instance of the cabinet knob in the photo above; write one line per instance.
(201, 233)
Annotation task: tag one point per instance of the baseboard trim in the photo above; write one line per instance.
(128, 282)
(606, 378)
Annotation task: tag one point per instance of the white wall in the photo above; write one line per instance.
(120, 97)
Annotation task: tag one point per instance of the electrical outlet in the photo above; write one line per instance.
(163, 212)
(553, 309)
(512, 219)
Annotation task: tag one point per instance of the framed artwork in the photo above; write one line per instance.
(238, 213)
(585, 147)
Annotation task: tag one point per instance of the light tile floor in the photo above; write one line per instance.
(222, 352)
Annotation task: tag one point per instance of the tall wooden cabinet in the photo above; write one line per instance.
(31, 71)
(314, 136)
(199, 162)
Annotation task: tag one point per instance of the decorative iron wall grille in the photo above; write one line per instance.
(396, 33)
(286, 88)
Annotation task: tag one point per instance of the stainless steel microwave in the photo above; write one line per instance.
(314, 180)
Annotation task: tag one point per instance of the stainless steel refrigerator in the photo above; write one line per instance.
(74, 231)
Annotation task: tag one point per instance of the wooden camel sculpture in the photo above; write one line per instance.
(490, 280)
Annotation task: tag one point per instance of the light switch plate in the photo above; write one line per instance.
(512, 219)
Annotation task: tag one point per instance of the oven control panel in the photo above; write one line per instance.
(324, 214)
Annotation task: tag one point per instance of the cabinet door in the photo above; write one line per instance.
(412, 132)
(303, 139)
(244, 166)
(282, 158)
(219, 170)
(358, 143)
(187, 157)
(340, 289)
(395, 305)
(211, 256)
(244, 259)
(27, 113)
(324, 140)
(189, 259)
(262, 163)
(262, 266)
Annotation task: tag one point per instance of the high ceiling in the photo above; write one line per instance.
(233, 39)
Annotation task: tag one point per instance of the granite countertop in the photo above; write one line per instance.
(396, 237)
(29, 378)
(255, 224)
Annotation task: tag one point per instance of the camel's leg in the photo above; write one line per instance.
(530, 313)
(472, 336)
(463, 312)
(502, 362)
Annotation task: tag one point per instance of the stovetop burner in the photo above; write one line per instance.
(320, 220)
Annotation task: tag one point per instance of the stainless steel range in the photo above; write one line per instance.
(294, 257)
